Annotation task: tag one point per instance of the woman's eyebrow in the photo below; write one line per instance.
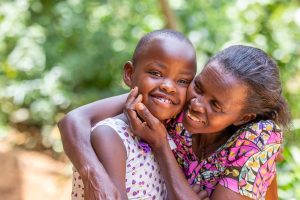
(198, 83)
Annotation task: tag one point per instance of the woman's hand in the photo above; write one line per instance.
(98, 185)
(142, 123)
(280, 157)
(202, 194)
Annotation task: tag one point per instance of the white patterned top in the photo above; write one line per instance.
(143, 177)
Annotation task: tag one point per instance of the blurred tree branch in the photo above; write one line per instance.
(170, 17)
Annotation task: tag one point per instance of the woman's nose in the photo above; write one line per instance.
(168, 86)
(198, 105)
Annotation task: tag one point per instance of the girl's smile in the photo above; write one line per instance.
(163, 72)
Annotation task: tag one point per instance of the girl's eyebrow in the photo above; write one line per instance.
(163, 66)
(158, 64)
(186, 72)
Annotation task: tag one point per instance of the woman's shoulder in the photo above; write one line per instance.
(262, 126)
(260, 134)
(250, 161)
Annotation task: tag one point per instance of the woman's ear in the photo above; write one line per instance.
(128, 73)
(245, 119)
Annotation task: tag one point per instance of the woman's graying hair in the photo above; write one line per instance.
(260, 73)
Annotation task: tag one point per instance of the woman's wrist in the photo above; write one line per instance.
(161, 146)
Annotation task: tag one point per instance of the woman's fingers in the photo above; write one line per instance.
(129, 110)
(203, 195)
(196, 188)
(132, 95)
(132, 99)
(145, 114)
(280, 157)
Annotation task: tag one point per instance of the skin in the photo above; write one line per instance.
(162, 74)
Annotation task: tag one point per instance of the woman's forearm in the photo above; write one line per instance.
(76, 125)
(77, 146)
(75, 136)
(75, 130)
(176, 183)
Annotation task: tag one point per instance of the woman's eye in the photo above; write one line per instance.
(198, 89)
(216, 106)
(155, 73)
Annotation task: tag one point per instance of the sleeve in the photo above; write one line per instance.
(251, 160)
(121, 128)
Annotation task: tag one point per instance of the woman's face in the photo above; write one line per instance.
(215, 100)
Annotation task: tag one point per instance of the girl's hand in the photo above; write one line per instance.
(143, 123)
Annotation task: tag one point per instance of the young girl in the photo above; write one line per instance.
(162, 67)
(234, 107)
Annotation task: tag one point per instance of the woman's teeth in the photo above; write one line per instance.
(192, 117)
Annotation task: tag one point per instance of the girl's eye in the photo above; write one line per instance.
(155, 73)
(184, 82)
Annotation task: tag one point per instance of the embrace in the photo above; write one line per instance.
(178, 135)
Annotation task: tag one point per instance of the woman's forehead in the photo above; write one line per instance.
(222, 85)
(217, 76)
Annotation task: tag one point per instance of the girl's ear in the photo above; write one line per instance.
(245, 119)
(128, 73)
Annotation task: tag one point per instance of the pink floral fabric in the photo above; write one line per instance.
(244, 164)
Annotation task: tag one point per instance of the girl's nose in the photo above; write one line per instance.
(197, 105)
(168, 86)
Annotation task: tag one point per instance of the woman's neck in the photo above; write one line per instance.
(206, 144)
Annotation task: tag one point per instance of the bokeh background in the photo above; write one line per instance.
(57, 55)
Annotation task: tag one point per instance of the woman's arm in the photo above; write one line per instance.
(222, 192)
(176, 183)
(75, 134)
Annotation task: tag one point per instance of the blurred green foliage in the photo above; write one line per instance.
(57, 55)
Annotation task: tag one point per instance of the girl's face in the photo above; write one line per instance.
(163, 73)
(215, 100)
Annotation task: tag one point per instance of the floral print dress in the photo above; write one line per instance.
(244, 164)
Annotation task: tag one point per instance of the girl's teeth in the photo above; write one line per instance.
(164, 100)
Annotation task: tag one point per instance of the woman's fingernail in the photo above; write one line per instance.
(139, 106)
